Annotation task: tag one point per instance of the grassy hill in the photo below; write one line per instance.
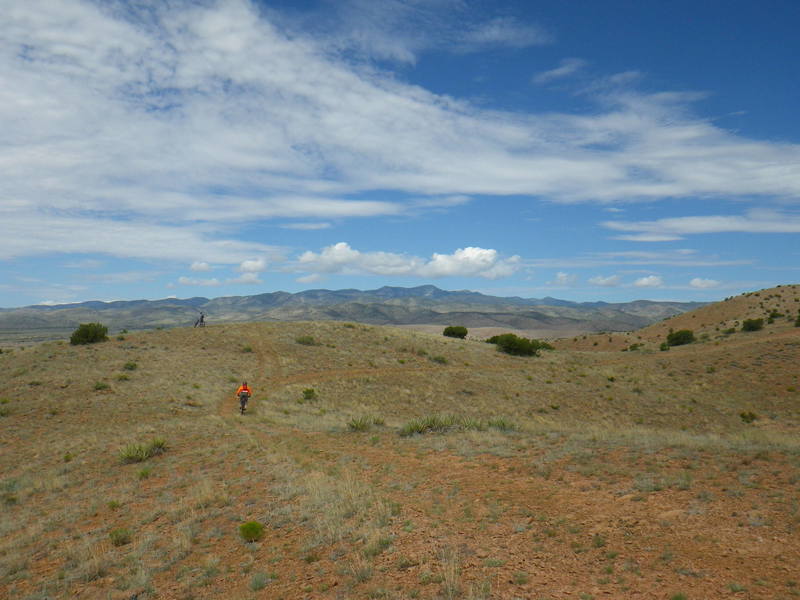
(586, 472)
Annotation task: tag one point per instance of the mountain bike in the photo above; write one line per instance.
(243, 398)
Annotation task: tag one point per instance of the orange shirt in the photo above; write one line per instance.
(243, 388)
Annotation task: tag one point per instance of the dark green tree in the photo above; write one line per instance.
(680, 337)
(89, 333)
(455, 331)
(752, 324)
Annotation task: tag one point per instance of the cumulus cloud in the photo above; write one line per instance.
(651, 281)
(703, 284)
(610, 281)
(464, 262)
(566, 67)
(255, 265)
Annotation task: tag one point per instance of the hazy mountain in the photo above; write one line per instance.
(422, 305)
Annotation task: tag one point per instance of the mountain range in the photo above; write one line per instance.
(422, 305)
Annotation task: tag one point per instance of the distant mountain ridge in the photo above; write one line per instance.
(421, 305)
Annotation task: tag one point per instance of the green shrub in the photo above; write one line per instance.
(515, 345)
(130, 366)
(752, 324)
(306, 340)
(89, 333)
(309, 394)
(455, 331)
(664, 346)
(100, 386)
(439, 359)
(252, 531)
(680, 337)
(120, 537)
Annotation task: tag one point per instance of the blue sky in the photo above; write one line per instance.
(585, 150)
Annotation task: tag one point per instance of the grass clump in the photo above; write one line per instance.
(251, 531)
(748, 416)
(130, 366)
(363, 423)
(133, 453)
(306, 340)
(260, 581)
(309, 394)
(444, 423)
(120, 536)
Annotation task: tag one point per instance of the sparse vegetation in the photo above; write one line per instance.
(610, 467)
(306, 340)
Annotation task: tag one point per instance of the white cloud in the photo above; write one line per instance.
(255, 265)
(675, 228)
(214, 282)
(306, 226)
(567, 67)
(564, 279)
(200, 267)
(703, 284)
(651, 281)
(505, 31)
(464, 262)
(247, 278)
(610, 281)
(161, 128)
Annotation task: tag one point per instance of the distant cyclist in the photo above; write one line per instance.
(243, 393)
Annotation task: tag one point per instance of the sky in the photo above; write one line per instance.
(584, 150)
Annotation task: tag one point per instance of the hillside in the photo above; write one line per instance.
(778, 307)
(423, 305)
(574, 474)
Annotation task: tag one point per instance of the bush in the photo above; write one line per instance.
(455, 331)
(752, 324)
(89, 333)
(252, 531)
(306, 340)
(518, 346)
(309, 394)
(680, 337)
(130, 366)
